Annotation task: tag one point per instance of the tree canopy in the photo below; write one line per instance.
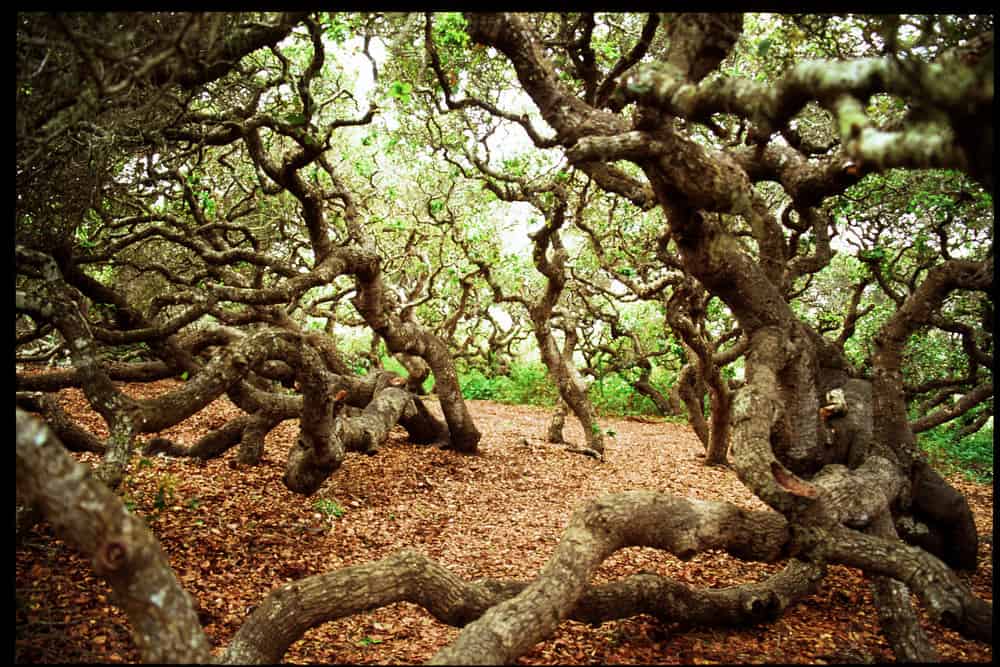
(778, 225)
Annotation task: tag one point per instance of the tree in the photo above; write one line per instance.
(238, 273)
(219, 204)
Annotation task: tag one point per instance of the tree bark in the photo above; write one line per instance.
(554, 433)
(407, 337)
(604, 525)
(72, 435)
(947, 600)
(409, 576)
(85, 512)
(899, 620)
(664, 405)
(560, 362)
(686, 314)
(247, 431)
(502, 619)
(777, 436)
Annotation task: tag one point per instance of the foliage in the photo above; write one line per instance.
(329, 508)
(971, 455)
(613, 394)
(526, 383)
(648, 192)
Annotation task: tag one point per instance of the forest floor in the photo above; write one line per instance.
(234, 533)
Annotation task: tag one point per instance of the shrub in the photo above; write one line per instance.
(477, 386)
(532, 384)
(613, 395)
(526, 384)
(971, 455)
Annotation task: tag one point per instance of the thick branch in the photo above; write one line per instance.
(947, 599)
(968, 401)
(638, 518)
(84, 511)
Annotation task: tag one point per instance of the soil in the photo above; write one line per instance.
(233, 533)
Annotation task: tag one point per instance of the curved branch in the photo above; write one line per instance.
(637, 518)
(946, 598)
(969, 400)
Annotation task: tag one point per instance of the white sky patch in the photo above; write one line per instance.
(501, 316)
(518, 217)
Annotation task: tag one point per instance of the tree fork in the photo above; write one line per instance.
(408, 337)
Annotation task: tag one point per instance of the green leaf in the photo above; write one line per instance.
(876, 253)
(450, 31)
(337, 29)
(763, 47)
(329, 507)
(400, 90)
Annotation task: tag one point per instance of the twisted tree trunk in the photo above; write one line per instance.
(777, 434)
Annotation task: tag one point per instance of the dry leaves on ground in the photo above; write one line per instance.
(234, 533)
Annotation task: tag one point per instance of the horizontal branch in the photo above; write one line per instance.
(968, 401)
(946, 598)
(126, 553)
(770, 105)
(54, 380)
(604, 525)
(73, 436)
(409, 576)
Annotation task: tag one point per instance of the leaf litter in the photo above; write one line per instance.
(233, 533)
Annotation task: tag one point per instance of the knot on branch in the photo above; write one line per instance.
(806, 543)
(836, 405)
(111, 556)
(766, 606)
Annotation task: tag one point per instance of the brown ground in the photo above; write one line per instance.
(234, 534)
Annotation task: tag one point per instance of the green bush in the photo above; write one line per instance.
(532, 384)
(614, 395)
(525, 384)
(971, 455)
(476, 386)
(528, 383)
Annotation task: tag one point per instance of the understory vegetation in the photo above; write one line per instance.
(529, 384)
(972, 455)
